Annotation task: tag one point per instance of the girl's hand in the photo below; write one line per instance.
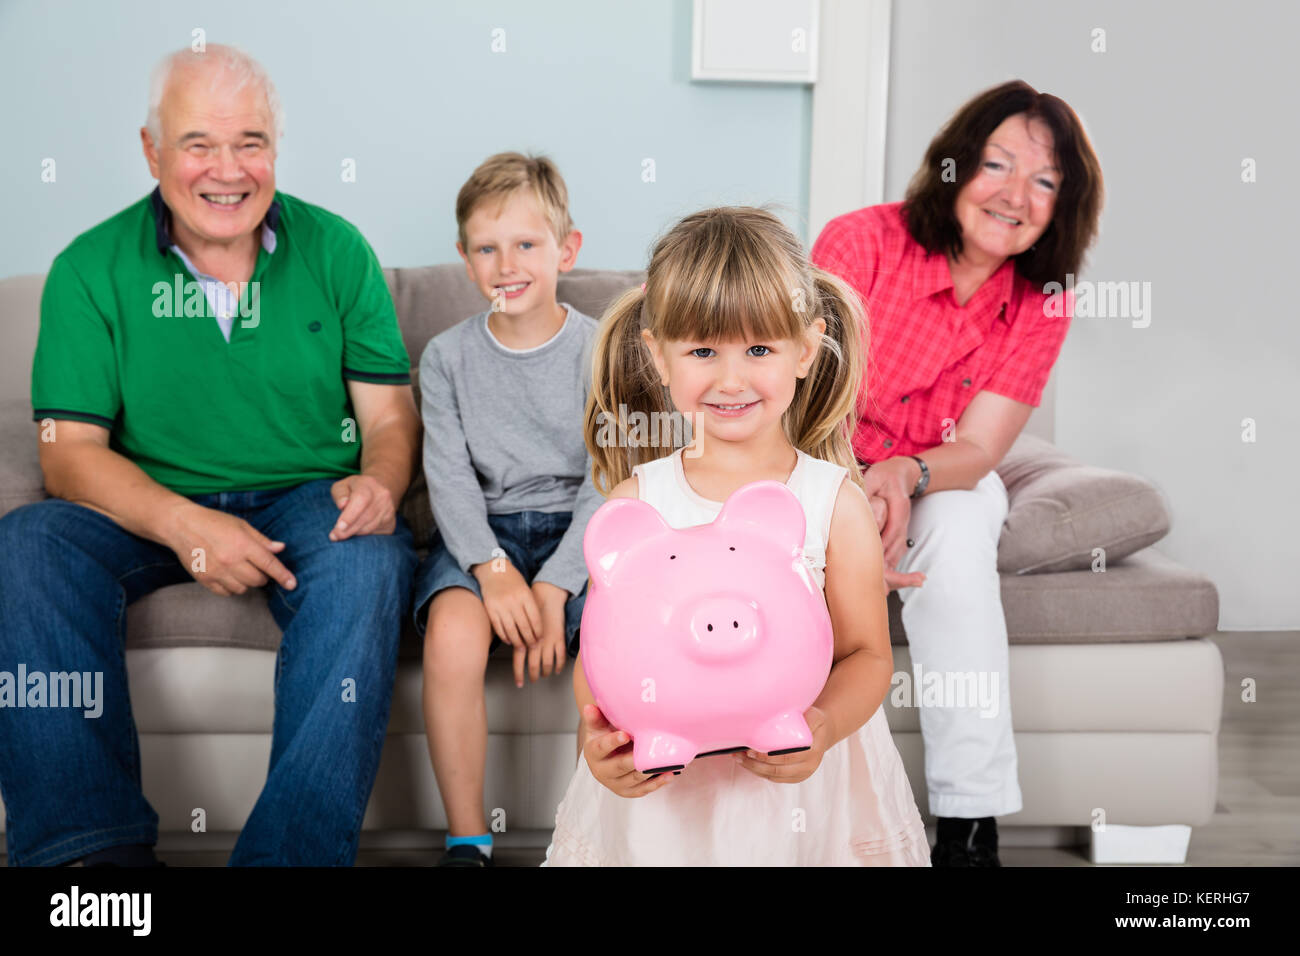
(609, 755)
(792, 768)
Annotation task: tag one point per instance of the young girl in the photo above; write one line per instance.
(763, 353)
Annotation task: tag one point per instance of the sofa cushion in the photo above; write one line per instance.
(1144, 597)
(1061, 509)
(431, 299)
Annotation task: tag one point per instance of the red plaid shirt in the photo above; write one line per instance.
(928, 356)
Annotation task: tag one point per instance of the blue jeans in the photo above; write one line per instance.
(528, 538)
(71, 783)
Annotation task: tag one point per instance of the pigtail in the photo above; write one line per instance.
(624, 381)
(821, 418)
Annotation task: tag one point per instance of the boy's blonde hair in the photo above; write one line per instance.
(499, 176)
(726, 274)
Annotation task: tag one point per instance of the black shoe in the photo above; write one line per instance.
(984, 843)
(950, 853)
(464, 854)
(134, 855)
(981, 854)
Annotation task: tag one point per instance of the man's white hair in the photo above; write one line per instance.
(236, 67)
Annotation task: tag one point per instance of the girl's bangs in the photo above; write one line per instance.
(735, 304)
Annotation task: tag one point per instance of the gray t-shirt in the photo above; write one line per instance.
(503, 434)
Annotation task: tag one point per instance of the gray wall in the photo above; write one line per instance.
(1183, 93)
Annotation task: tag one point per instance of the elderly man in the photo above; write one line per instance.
(223, 395)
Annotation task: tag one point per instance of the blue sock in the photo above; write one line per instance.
(481, 842)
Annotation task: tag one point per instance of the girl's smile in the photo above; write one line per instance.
(731, 411)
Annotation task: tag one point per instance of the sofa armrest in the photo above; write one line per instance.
(21, 481)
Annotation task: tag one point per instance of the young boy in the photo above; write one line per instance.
(509, 476)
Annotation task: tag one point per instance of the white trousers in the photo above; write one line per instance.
(956, 630)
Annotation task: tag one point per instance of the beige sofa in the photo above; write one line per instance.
(1115, 695)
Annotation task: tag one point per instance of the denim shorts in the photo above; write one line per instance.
(528, 539)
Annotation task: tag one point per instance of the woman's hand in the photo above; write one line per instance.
(889, 496)
(609, 755)
(796, 767)
(893, 480)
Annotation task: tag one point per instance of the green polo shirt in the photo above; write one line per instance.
(128, 341)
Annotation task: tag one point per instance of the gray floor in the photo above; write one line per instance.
(1256, 823)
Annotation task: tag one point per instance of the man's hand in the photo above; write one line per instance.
(547, 656)
(366, 507)
(511, 608)
(796, 767)
(234, 556)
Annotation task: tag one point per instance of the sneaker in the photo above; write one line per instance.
(464, 854)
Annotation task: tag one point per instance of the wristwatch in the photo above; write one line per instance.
(924, 481)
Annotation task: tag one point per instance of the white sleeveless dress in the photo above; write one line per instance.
(856, 810)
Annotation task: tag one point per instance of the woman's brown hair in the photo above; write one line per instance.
(726, 274)
(931, 196)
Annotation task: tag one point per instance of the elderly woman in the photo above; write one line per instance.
(961, 344)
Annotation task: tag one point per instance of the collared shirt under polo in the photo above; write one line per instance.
(268, 409)
(929, 356)
(223, 300)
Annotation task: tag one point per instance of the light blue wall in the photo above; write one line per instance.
(412, 91)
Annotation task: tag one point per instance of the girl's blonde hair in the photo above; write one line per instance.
(726, 274)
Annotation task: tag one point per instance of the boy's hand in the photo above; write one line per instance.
(609, 755)
(791, 768)
(547, 656)
(509, 602)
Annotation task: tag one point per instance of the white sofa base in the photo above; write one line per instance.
(1139, 746)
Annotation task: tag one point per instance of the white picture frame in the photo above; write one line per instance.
(755, 41)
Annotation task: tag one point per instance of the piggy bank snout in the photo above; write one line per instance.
(723, 627)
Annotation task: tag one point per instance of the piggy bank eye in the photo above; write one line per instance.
(731, 549)
(672, 557)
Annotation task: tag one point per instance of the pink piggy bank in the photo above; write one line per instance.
(704, 640)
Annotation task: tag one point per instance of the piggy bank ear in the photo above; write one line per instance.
(618, 525)
(766, 508)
